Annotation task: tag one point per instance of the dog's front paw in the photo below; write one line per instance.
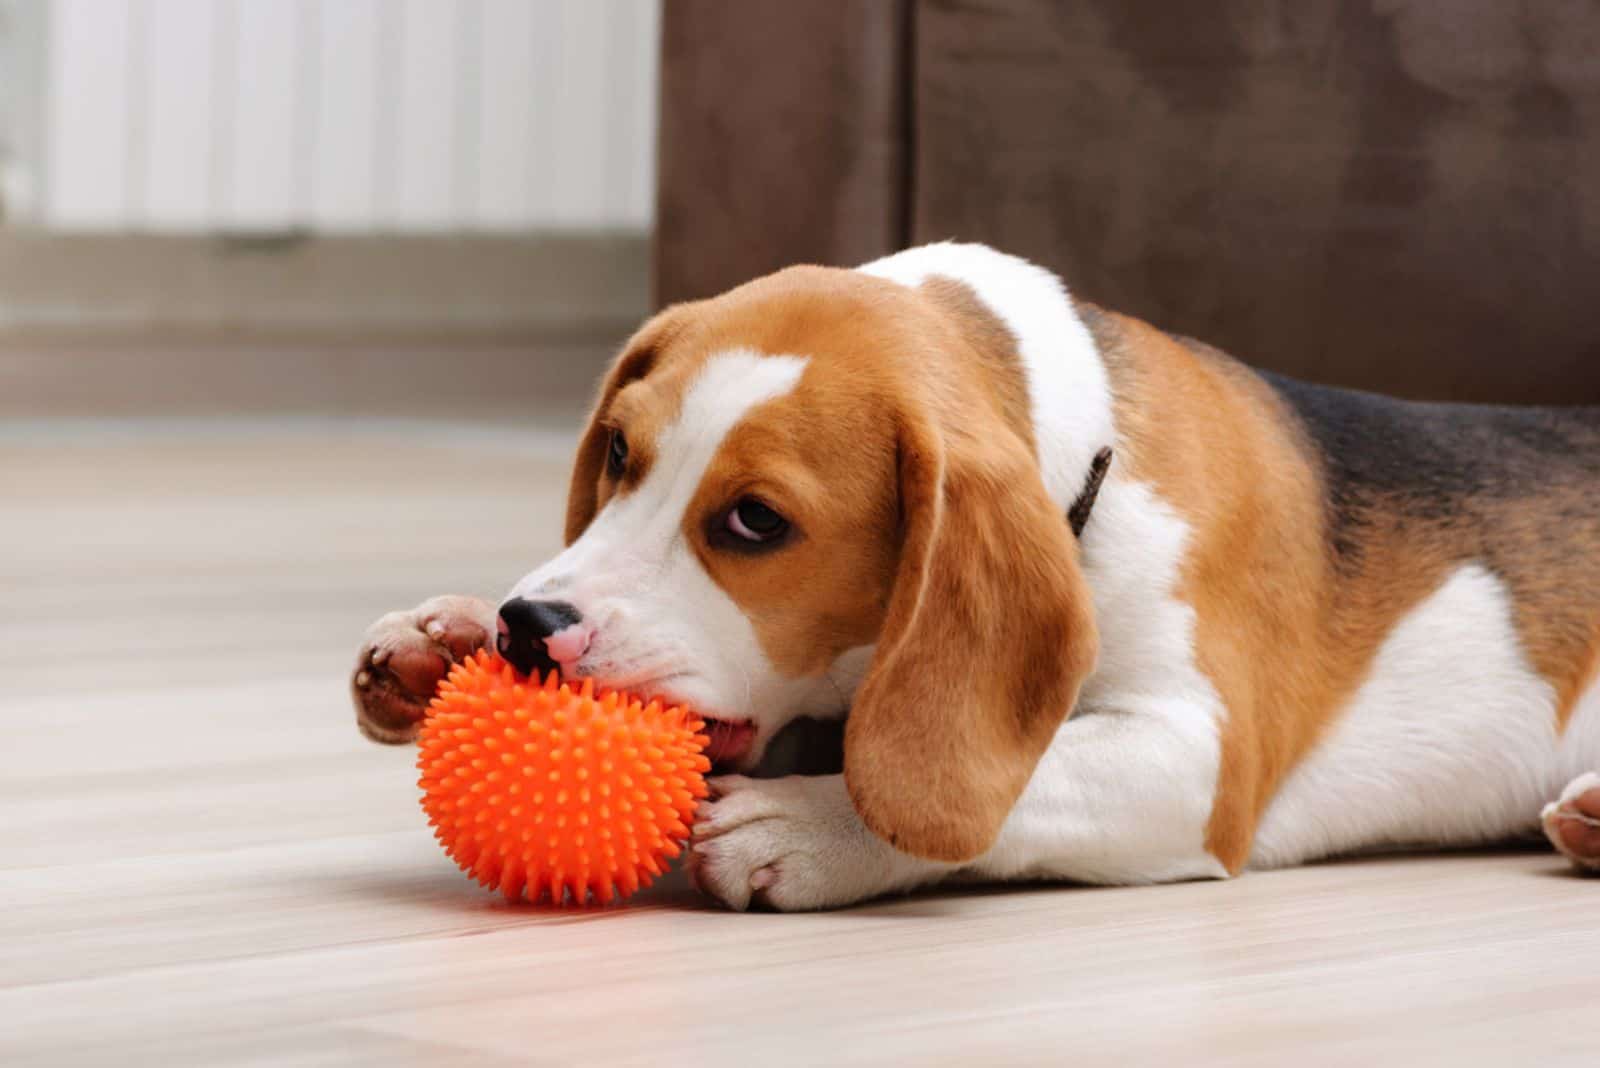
(403, 657)
(1572, 822)
(793, 844)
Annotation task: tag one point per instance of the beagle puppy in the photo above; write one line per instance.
(1298, 621)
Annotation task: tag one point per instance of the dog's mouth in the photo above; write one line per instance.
(729, 740)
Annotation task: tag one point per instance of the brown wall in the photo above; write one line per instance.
(783, 138)
(1396, 194)
(1403, 195)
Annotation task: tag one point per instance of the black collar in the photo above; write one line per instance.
(1078, 514)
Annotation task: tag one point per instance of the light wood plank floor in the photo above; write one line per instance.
(202, 863)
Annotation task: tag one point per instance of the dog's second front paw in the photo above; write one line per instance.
(793, 844)
(403, 657)
(1572, 822)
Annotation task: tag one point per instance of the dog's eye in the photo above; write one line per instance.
(617, 454)
(753, 521)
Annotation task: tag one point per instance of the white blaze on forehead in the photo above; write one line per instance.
(719, 397)
(643, 525)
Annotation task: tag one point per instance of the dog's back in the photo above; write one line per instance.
(1440, 464)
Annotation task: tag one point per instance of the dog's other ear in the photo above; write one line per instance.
(638, 356)
(989, 634)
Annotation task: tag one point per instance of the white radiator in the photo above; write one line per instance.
(347, 115)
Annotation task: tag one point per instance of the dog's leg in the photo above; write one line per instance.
(405, 654)
(1121, 797)
(794, 843)
(1572, 822)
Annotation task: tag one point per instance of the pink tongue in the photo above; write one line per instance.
(728, 741)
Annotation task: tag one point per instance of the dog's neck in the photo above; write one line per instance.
(1070, 401)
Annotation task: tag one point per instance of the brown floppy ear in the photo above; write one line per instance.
(989, 634)
(638, 356)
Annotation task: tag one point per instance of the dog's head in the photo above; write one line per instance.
(814, 494)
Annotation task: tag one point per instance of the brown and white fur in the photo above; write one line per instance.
(1299, 622)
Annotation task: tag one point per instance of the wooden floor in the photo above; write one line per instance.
(202, 863)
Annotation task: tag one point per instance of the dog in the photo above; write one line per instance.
(1284, 622)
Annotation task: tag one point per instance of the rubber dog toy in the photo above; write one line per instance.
(552, 792)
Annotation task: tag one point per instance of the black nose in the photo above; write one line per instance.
(524, 625)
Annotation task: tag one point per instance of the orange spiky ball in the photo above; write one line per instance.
(555, 792)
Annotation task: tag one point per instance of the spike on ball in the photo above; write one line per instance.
(527, 786)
